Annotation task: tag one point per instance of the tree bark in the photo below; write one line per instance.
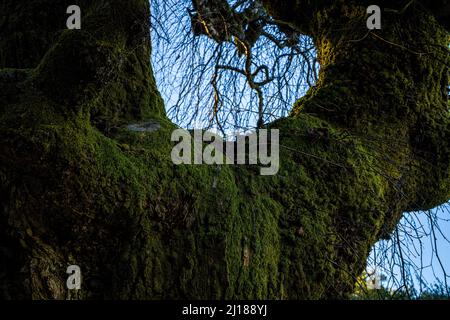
(367, 143)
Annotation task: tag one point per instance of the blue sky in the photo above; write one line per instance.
(427, 252)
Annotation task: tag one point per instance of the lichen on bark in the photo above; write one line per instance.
(78, 187)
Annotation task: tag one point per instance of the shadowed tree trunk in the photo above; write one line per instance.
(367, 143)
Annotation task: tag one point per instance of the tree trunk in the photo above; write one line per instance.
(368, 142)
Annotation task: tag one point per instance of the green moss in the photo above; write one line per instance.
(79, 187)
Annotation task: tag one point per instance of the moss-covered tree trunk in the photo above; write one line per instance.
(370, 141)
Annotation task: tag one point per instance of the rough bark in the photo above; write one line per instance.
(367, 143)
